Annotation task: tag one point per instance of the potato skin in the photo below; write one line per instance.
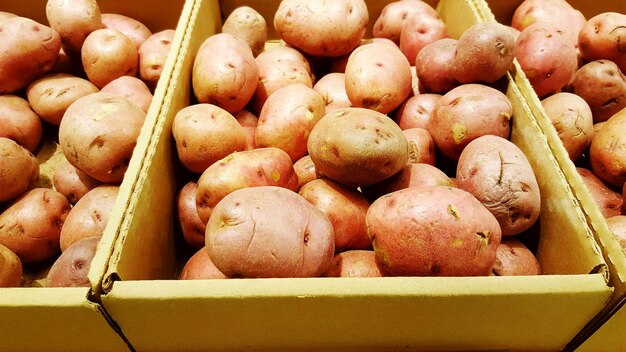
(31, 226)
(132, 28)
(355, 263)
(393, 16)
(74, 20)
(10, 268)
(200, 267)
(131, 88)
(607, 152)
(248, 25)
(433, 231)
(246, 239)
(72, 266)
(419, 31)
(19, 169)
(434, 65)
(608, 201)
(152, 56)
(375, 150)
(572, 118)
(72, 182)
(416, 111)
(19, 123)
(499, 175)
(192, 227)
(108, 54)
(514, 258)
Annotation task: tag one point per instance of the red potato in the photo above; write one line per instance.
(607, 152)
(557, 12)
(248, 25)
(200, 267)
(249, 122)
(514, 258)
(244, 239)
(467, 112)
(10, 267)
(617, 225)
(31, 226)
(413, 175)
(108, 54)
(419, 31)
(355, 263)
(434, 65)
(19, 123)
(19, 168)
(72, 267)
(608, 201)
(74, 20)
(345, 207)
(421, 146)
(394, 15)
(416, 111)
(6, 15)
(72, 182)
(191, 225)
(287, 119)
(377, 77)
(132, 28)
(250, 168)
(332, 88)
(433, 231)
(131, 88)
(603, 37)
(152, 56)
(305, 170)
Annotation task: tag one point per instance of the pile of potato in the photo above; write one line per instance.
(328, 154)
(85, 82)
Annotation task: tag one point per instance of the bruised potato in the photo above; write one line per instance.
(19, 168)
(248, 25)
(72, 267)
(19, 123)
(200, 267)
(355, 263)
(108, 54)
(74, 20)
(10, 268)
(72, 182)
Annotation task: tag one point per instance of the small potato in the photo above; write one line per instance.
(132, 28)
(608, 201)
(603, 37)
(393, 16)
(152, 56)
(374, 150)
(19, 168)
(72, 267)
(29, 49)
(484, 53)
(433, 231)
(248, 25)
(572, 118)
(413, 175)
(416, 111)
(250, 168)
(345, 207)
(19, 123)
(249, 122)
(192, 227)
(355, 263)
(332, 88)
(305, 170)
(421, 146)
(514, 258)
(72, 183)
(108, 54)
(200, 267)
(603, 86)
(204, 134)
(74, 20)
(466, 113)
(434, 65)
(131, 88)
(31, 226)
(10, 268)
(419, 31)
(52, 94)
(322, 28)
(499, 175)
(287, 119)
(245, 238)
(617, 225)
(90, 215)
(377, 77)
(607, 152)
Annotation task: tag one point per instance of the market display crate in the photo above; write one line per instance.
(73, 319)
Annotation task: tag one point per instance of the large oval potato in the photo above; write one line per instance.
(191, 225)
(132, 28)
(131, 88)
(355, 263)
(19, 123)
(393, 16)
(108, 54)
(607, 152)
(74, 20)
(248, 25)
(152, 56)
(10, 268)
(72, 182)
(72, 267)
(200, 267)
(19, 168)
(245, 238)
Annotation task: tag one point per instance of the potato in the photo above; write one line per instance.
(434, 65)
(375, 149)
(68, 62)
(132, 28)
(131, 88)
(19, 168)
(499, 175)
(421, 146)
(514, 258)
(31, 226)
(572, 118)
(305, 170)
(6, 15)
(74, 20)
(607, 152)
(597, 126)
(416, 111)
(10, 268)
(287, 119)
(603, 37)
(192, 227)
(72, 182)
(248, 25)
(90, 215)
(355, 263)
(419, 31)
(547, 58)
(345, 208)
(332, 88)
(603, 86)
(248, 122)
(484, 53)
(30, 49)
(52, 94)
(557, 12)
(377, 77)
(72, 266)
(322, 28)
(19, 123)
(200, 267)
(624, 199)
(108, 54)
(617, 225)
(250, 168)
(204, 134)
(393, 16)
(413, 175)
(608, 201)
(433, 231)
(246, 239)
(152, 56)
(98, 134)
(466, 113)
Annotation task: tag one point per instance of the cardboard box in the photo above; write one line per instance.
(157, 313)
(73, 319)
(609, 337)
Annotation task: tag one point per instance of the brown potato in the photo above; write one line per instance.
(200, 267)
(514, 258)
(393, 16)
(19, 168)
(108, 54)
(190, 223)
(19, 123)
(249, 122)
(421, 146)
(132, 28)
(305, 170)
(355, 263)
(10, 268)
(72, 266)
(434, 65)
(248, 25)
(74, 20)
(31, 226)
(131, 88)
(332, 88)
(416, 111)
(608, 201)
(607, 152)
(419, 31)
(413, 175)
(152, 56)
